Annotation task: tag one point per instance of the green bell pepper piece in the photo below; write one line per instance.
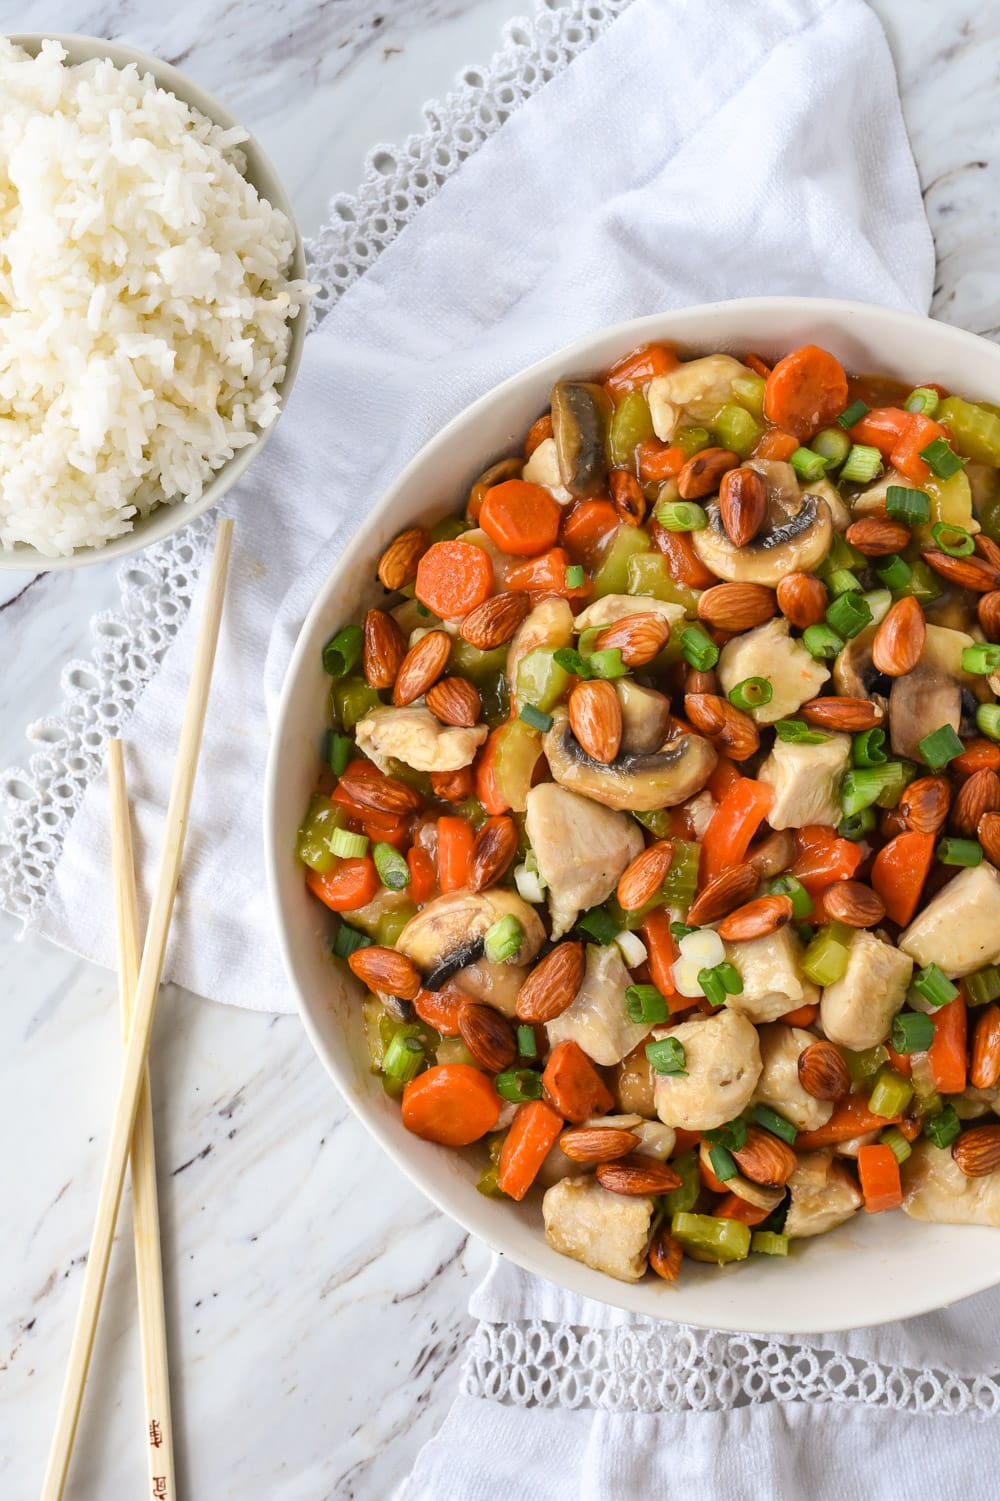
(681, 881)
(467, 661)
(648, 573)
(865, 1064)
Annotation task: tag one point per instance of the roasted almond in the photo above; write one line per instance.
(978, 795)
(552, 984)
(823, 1072)
(773, 854)
(387, 971)
(988, 834)
(488, 1036)
(493, 849)
(987, 549)
(977, 1151)
(637, 1175)
(493, 622)
(842, 713)
(737, 607)
(637, 637)
(398, 564)
(878, 536)
(802, 599)
(924, 804)
(702, 474)
(696, 681)
(988, 610)
(453, 786)
(899, 638)
(503, 469)
(665, 1255)
(595, 717)
(597, 1143)
(723, 895)
(765, 1158)
(853, 903)
(642, 877)
(371, 789)
(984, 1070)
(756, 919)
(742, 504)
(383, 650)
(421, 667)
(627, 497)
(967, 573)
(728, 726)
(455, 701)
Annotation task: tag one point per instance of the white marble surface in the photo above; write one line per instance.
(316, 1301)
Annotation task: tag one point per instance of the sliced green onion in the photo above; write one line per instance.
(720, 1239)
(983, 986)
(988, 720)
(898, 776)
(794, 732)
(691, 440)
(712, 986)
(536, 718)
(843, 581)
(347, 845)
(731, 978)
(942, 459)
(862, 786)
(857, 826)
(571, 661)
(802, 902)
(943, 1128)
(667, 1057)
(339, 752)
(911, 506)
(940, 747)
(348, 940)
(518, 1085)
(953, 540)
(575, 576)
(392, 868)
(891, 1094)
(599, 925)
(862, 464)
(825, 960)
(527, 1042)
(644, 1003)
(895, 572)
(342, 651)
(698, 650)
(924, 399)
(681, 516)
(608, 663)
(852, 414)
(807, 464)
(503, 939)
(867, 748)
(893, 1138)
(848, 615)
(912, 1032)
(832, 444)
(769, 1243)
(753, 693)
(732, 1135)
(403, 1059)
(981, 659)
(770, 1120)
(423, 610)
(723, 1163)
(822, 642)
(965, 852)
(933, 984)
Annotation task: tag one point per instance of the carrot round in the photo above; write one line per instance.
(351, 884)
(805, 390)
(520, 518)
(453, 578)
(683, 562)
(905, 456)
(538, 432)
(849, 1119)
(658, 460)
(531, 1137)
(440, 1008)
(573, 1084)
(776, 444)
(802, 1016)
(881, 428)
(757, 365)
(823, 861)
(586, 528)
(707, 1175)
(979, 755)
(451, 1103)
(878, 1171)
(899, 871)
(947, 1053)
(455, 840)
(421, 874)
(632, 373)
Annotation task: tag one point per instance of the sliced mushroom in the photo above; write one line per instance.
(935, 1188)
(931, 695)
(633, 1083)
(695, 389)
(494, 984)
(795, 536)
(824, 1195)
(581, 413)
(448, 932)
(855, 674)
(550, 624)
(840, 512)
(636, 781)
(581, 848)
(415, 737)
(645, 717)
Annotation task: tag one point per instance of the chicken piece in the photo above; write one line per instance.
(806, 781)
(824, 1195)
(608, 1232)
(959, 929)
(543, 469)
(695, 390)
(778, 1085)
(856, 1011)
(722, 1058)
(935, 1188)
(612, 607)
(597, 1019)
(700, 812)
(416, 738)
(581, 848)
(770, 652)
(773, 982)
(549, 624)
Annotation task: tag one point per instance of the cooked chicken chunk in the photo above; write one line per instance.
(959, 929)
(823, 1195)
(550, 624)
(778, 1085)
(695, 390)
(543, 469)
(597, 1019)
(722, 1058)
(581, 847)
(770, 652)
(856, 1011)
(806, 781)
(606, 1231)
(416, 738)
(773, 982)
(935, 1188)
(612, 607)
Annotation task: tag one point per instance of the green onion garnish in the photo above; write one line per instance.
(392, 868)
(821, 642)
(644, 1003)
(893, 1138)
(608, 663)
(980, 659)
(503, 939)
(732, 1135)
(681, 930)
(862, 785)
(730, 977)
(924, 399)
(403, 1059)
(681, 516)
(832, 444)
(848, 615)
(857, 826)
(959, 852)
(802, 902)
(942, 459)
(575, 577)
(911, 506)
(895, 572)
(891, 1094)
(339, 752)
(862, 464)
(794, 732)
(953, 540)
(518, 1085)
(667, 1057)
(536, 718)
(349, 940)
(527, 1042)
(599, 925)
(943, 1128)
(423, 610)
(347, 845)
(342, 651)
(912, 1032)
(753, 693)
(867, 748)
(712, 986)
(940, 747)
(935, 987)
(699, 651)
(723, 1163)
(852, 414)
(769, 1242)
(988, 720)
(843, 581)
(983, 986)
(807, 464)
(763, 1115)
(571, 661)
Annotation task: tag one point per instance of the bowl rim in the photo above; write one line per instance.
(631, 333)
(169, 517)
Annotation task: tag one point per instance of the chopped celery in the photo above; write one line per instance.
(350, 700)
(372, 1013)
(708, 1238)
(951, 500)
(611, 575)
(975, 431)
(312, 844)
(768, 1243)
(683, 1198)
(865, 1064)
(893, 1138)
(733, 427)
(842, 554)
(404, 1058)
(392, 923)
(832, 444)
(453, 1050)
(923, 583)
(891, 1094)
(748, 390)
(540, 680)
(691, 440)
(983, 986)
(825, 960)
(681, 880)
(649, 573)
(631, 425)
(369, 919)
(467, 661)
(448, 528)
(488, 1183)
(418, 780)
(657, 821)
(518, 750)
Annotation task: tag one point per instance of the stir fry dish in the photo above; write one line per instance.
(661, 811)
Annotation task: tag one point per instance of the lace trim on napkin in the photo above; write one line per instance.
(100, 694)
(651, 1369)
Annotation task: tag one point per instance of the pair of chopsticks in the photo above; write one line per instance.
(132, 1125)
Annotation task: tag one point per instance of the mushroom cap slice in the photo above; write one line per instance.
(448, 933)
(931, 695)
(795, 537)
(633, 780)
(645, 716)
(581, 413)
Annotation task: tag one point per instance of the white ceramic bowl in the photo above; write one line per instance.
(872, 1269)
(167, 518)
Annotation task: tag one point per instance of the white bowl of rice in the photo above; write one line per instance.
(152, 300)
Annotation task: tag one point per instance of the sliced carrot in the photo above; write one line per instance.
(947, 1053)
(901, 1062)
(732, 1207)
(439, 1009)
(776, 444)
(586, 529)
(805, 390)
(849, 1119)
(821, 862)
(725, 774)
(905, 455)
(573, 1084)
(662, 951)
(451, 1103)
(708, 1177)
(802, 1016)
(421, 874)
(485, 774)
(881, 428)
(538, 432)
(453, 786)
(734, 823)
(658, 461)
(899, 871)
(351, 884)
(453, 578)
(756, 364)
(979, 755)
(529, 1141)
(455, 840)
(878, 1171)
(633, 372)
(684, 1140)
(521, 518)
(682, 560)
(546, 574)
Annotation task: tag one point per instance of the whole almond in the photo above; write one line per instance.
(696, 681)
(455, 701)
(638, 637)
(765, 1158)
(726, 725)
(398, 564)
(627, 497)
(899, 639)
(493, 849)
(977, 1151)
(421, 667)
(386, 970)
(493, 622)
(853, 903)
(595, 717)
(702, 474)
(637, 1175)
(924, 804)
(552, 984)
(988, 834)
(453, 786)
(878, 536)
(968, 573)
(823, 1072)
(721, 896)
(383, 794)
(737, 607)
(773, 854)
(665, 1255)
(756, 919)
(597, 1143)
(742, 504)
(643, 877)
(987, 549)
(842, 713)
(384, 649)
(984, 1070)
(979, 794)
(488, 1036)
(988, 610)
(802, 599)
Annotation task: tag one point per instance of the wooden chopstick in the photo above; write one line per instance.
(146, 991)
(142, 1161)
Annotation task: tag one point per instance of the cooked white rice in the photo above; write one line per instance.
(144, 301)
